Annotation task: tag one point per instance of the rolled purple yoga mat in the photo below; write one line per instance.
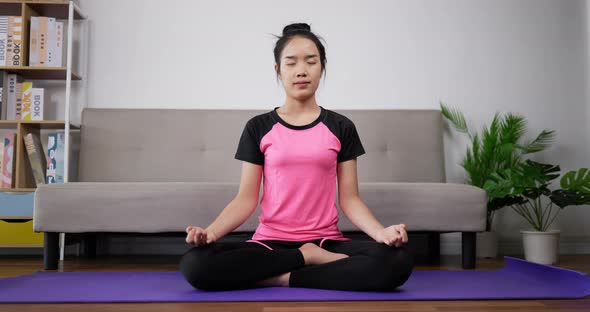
(519, 279)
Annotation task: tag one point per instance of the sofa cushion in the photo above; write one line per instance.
(156, 207)
(198, 145)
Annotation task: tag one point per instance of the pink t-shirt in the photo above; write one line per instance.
(300, 173)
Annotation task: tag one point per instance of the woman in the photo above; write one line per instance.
(301, 149)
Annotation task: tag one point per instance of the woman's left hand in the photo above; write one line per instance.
(394, 235)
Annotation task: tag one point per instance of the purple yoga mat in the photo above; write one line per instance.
(519, 279)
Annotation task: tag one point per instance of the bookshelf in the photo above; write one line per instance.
(42, 73)
(68, 114)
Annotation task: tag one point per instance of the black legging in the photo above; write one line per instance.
(371, 266)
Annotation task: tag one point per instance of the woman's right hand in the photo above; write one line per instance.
(198, 236)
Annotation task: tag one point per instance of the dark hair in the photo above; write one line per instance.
(298, 30)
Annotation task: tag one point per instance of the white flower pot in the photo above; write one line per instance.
(487, 245)
(541, 247)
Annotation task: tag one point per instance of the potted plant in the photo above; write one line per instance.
(497, 147)
(526, 189)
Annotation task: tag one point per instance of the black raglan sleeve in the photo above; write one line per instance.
(249, 145)
(350, 142)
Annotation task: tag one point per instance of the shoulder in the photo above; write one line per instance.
(260, 121)
(338, 122)
(259, 125)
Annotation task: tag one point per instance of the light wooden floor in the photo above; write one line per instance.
(13, 266)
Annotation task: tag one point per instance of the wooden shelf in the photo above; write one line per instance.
(37, 72)
(55, 9)
(8, 124)
(41, 124)
(18, 190)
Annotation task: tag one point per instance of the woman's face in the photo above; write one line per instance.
(300, 69)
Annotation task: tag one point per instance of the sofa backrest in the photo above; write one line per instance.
(198, 145)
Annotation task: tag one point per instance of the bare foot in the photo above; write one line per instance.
(279, 280)
(313, 254)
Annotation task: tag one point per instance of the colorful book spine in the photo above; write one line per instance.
(1, 156)
(27, 101)
(11, 96)
(43, 21)
(34, 42)
(55, 157)
(19, 100)
(14, 40)
(36, 157)
(3, 39)
(51, 41)
(59, 43)
(8, 161)
(38, 103)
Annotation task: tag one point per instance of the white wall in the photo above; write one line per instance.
(527, 56)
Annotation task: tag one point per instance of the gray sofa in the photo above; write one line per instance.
(159, 170)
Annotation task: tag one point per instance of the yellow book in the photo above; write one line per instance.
(27, 101)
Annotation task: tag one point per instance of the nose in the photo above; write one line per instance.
(302, 74)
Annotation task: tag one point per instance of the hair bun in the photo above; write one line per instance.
(296, 27)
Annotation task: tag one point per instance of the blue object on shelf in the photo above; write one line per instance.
(16, 204)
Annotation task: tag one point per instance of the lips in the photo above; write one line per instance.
(302, 83)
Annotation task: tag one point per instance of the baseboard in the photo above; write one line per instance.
(450, 244)
(71, 250)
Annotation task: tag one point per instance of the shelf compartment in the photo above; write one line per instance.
(58, 10)
(18, 190)
(41, 124)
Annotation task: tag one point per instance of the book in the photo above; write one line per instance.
(1, 156)
(8, 162)
(46, 42)
(38, 103)
(55, 157)
(42, 42)
(51, 41)
(14, 41)
(3, 107)
(27, 101)
(59, 44)
(10, 95)
(34, 42)
(3, 39)
(36, 157)
(18, 106)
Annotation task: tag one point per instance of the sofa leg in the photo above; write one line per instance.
(468, 252)
(51, 250)
(433, 248)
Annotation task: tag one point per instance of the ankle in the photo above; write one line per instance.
(279, 280)
(307, 252)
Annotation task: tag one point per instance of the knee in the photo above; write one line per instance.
(195, 266)
(395, 265)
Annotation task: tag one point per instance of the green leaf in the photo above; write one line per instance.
(505, 201)
(576, 181)
(564, 198)
(455, 117)
(542, 142)
(536, 174)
